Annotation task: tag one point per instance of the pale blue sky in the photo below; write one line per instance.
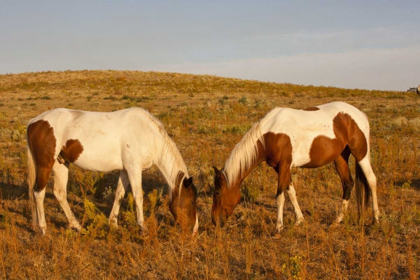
(352, 44)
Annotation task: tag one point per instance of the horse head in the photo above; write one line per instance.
(225, 198)
(184, 203)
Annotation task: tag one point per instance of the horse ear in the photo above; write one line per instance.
(217, 188)
(188, 182)
(217, 171)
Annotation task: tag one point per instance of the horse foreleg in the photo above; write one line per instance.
(298, 213)
(61, 176)
(280, 206)
(136, 186)
(343, 210)
(283, 171)
(122, 187)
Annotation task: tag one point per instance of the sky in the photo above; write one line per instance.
(350, 44)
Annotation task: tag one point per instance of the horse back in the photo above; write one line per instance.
(317, 135)
(97, 140)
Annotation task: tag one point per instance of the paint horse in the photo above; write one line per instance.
(307, 138)
(129, 140)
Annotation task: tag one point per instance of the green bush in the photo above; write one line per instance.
(250, 193)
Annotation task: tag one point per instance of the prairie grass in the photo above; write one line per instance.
(206, 116)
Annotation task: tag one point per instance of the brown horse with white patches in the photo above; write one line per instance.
(307, 138)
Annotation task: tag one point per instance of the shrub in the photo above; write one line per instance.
(99, 225)
(250, 192)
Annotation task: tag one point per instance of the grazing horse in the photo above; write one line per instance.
(129, 140)
(307, 138)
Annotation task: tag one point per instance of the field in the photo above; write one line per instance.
(206, 116)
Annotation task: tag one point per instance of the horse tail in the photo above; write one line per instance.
(363, 192)
(31, 184)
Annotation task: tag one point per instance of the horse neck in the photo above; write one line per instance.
(170, 164)
(260, 157)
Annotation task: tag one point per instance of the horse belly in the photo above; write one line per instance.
(306, 142)
(99, 156)
(94, 163)
(322, 151)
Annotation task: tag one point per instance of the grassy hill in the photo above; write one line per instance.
(206, 116)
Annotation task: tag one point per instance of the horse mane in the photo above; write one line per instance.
(170, 155)
(244, 153)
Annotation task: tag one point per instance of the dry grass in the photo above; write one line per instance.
(206, 116)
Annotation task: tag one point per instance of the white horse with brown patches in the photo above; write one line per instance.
(129, 140)
(308, 138)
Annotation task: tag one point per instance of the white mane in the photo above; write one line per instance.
(170, 156)
(244, 154)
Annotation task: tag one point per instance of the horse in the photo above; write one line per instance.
(129, 140)
(308, 138)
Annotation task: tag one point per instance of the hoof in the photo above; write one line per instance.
(113, 223)
(195, 229)
(334, 224)
(43, 230)
(76, 228)
(339, 219)
(144, 231)
(299, 222)
(276, 233)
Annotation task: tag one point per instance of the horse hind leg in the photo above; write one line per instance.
(61, 175)
(41, 143)
(371, 180)
(43, 173)
(359, 147)
(342, 167)
(122, 187)
(40, 214)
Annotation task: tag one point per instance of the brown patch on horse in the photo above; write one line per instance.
(357, 142)
(72, 150)
(324, 149)
(278, 148)
(42, 142)
(311, 109)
